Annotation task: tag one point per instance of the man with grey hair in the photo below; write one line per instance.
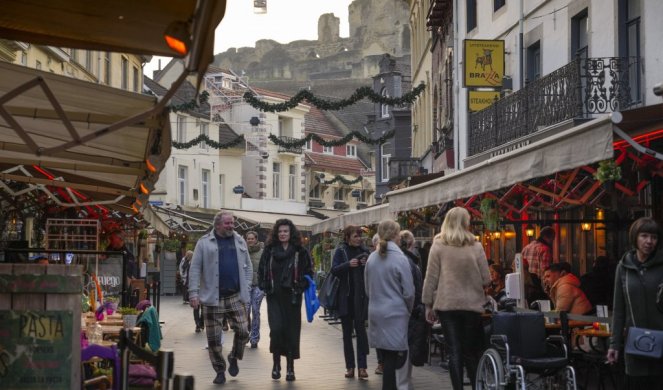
(219, 280)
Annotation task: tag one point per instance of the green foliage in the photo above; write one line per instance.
(608, 170)
(210, 142)
(126, 310)
(171, 245)
(342, 180)
(328, 105)
(489, 213)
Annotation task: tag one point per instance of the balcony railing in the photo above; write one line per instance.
(578, 90)
(402, 168)
(285, 149)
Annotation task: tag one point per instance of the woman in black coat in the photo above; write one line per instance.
(348, 265)
(283, 264)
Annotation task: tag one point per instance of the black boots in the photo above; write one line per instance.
(290, 374)
(276, 370)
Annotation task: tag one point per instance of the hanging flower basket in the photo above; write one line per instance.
(608, 171)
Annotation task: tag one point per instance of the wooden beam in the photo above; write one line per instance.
(64, 184)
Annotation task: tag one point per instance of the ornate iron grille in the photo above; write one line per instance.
(580, 89)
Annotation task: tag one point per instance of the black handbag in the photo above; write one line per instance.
(644, 343)
(328, 294)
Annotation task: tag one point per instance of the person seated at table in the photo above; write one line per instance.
(496, 288)
(564, 289)
(598, 284)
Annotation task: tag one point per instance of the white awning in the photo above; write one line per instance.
(578, 146)
(267, 220)
(367, 216)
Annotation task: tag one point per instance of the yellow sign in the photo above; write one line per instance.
(484, 63)
(478, 100)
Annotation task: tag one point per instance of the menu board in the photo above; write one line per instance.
(110, 276)
(35, 349)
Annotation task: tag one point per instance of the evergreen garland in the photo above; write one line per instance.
(341, 179)
(209, 142)
(328, 105)
(338, 142)
(192, 104)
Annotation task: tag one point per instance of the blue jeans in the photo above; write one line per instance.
(254, 314)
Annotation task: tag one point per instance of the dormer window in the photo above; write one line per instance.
(351, 150)
(327, 149)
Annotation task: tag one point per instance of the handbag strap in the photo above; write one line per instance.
(628, 296)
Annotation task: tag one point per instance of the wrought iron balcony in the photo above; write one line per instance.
(402, 168)
(578, 90)
(285, 149)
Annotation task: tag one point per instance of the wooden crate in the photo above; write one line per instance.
(40, 313)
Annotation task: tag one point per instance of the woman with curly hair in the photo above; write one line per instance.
(283, 264)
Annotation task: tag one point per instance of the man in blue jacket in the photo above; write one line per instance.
(219, 280)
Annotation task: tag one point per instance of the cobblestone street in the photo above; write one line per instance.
(321, 366)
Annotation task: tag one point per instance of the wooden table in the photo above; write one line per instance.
(572, 324)
(114, 330)
(603, 337)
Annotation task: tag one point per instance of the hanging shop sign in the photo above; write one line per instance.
(478, 100)
(483, 63)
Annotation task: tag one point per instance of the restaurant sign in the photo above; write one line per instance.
(478, 100)
(35, 349)
(483, 63)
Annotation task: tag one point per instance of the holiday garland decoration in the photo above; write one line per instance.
(328, 105)
(337, 142)
(341, 179)
(192, 104)
(209, 142)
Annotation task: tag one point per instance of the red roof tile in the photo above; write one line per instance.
(343, 165)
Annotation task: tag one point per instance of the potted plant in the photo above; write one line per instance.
(110, 304)
(608, 172)
(129, 316)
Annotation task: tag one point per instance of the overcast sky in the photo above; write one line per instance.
(285, 21)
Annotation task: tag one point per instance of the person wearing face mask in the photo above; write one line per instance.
(283, 264)
(348, 265)
(219, 278)
(637, 278)
(255, 252)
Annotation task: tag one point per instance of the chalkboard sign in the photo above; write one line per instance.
(110, 276)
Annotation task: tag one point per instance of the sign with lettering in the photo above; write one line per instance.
(110, 276)
(35, 349)
(478, 100)
(483, 63)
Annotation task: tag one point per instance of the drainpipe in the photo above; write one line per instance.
(520, 43)
(455, 77)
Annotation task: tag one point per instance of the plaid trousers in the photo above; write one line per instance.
(234, 311)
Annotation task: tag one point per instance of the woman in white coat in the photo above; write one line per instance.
(390, 291)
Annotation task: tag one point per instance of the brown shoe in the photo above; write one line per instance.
(350, 373)
(362, 374)
(378, 370)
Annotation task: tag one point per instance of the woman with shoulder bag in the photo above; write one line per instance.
(637, 278)
(352, 304)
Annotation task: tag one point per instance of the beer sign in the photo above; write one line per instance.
(483, 63)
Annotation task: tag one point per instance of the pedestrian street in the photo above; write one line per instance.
(321, 366)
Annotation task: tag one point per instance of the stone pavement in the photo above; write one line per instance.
(321, 366)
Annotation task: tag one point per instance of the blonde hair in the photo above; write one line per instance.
(455, 228)
(387, 230)
(407, 238)
(188, 255)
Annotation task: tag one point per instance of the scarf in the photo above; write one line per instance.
(255, 248)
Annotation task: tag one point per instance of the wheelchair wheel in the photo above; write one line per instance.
(490, 373)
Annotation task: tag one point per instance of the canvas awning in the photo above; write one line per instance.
(580, 145)
(364, 217)
(267, 220)
(51, 143)
(125, 26)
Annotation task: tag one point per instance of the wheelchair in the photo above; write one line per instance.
(521, 357)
